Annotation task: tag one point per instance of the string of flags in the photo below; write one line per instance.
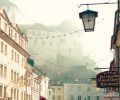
(62, 35)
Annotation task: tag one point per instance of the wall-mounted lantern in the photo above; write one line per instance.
(88, 19)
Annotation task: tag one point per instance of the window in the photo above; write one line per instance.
(1, 70)
(88, 89)
(17, 94)
(98, 98)
(18, 58)
(49, 93)
(88, 98)
(5, 49)
(19, 40)
(5, 29)
(15, 37)
(59, 97)
(79, 97)
(5, 71)
(11, 33)
(0, 90)
(11, 74)
(22, 62)
(1, 47)
(14, 93)
(11, 93)
(71, 97)
(53, 97)
(5, 91)
(15, 76)
(12, 54)
(15, 57)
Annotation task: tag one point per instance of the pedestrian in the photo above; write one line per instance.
(42, 98)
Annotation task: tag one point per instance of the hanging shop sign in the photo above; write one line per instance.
(107, 79)
(112, 98)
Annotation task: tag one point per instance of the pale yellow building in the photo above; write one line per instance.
(17, 78)
(13, 58)
(37, 83)
(57, 91)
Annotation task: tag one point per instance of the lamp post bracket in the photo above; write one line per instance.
(97, 3)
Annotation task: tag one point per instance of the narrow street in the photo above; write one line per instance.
(59, 50)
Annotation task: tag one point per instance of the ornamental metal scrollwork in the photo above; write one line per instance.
(38, 79)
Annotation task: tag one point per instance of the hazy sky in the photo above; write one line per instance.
(53, 12)
(50, 11)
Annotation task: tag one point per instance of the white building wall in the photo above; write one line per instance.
(83, 90)
(11, 65)
(17, 64)
(34, 88)
(19, 39)
(49, 94)
(44, 87)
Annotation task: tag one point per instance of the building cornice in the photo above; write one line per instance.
(11, 42)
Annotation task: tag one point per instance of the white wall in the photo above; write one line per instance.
(44, 87)
(81, 90)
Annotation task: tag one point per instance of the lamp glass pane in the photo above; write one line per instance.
(89, 25)
(88, 21)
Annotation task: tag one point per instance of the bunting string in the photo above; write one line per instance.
(52, 37)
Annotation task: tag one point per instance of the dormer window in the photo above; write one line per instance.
(19, 40)
(1, 47)
(11, 33)
(15, 37)
(5, 27)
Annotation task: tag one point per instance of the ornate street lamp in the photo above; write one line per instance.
(88, 19)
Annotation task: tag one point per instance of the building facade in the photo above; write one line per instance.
(57, 91)
(44, 86)
(18, 79)
(49, 94)
(82, 92)
(13, 58)
(69, 91)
